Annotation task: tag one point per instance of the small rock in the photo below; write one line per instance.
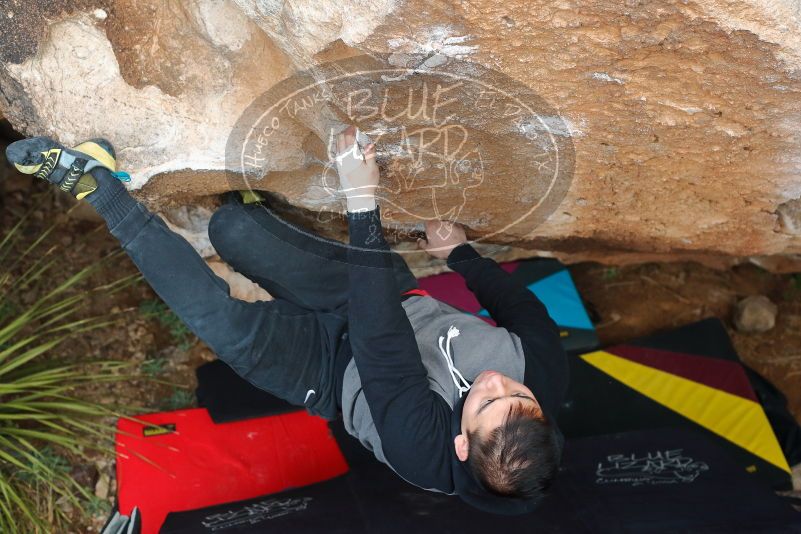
(755, 314)
(207, 356)
(102, 486)
(173, 355)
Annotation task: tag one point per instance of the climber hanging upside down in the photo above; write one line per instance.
(449, 402)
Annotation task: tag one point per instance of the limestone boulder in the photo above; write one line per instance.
(656, 130)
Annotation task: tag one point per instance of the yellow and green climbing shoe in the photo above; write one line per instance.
(250, 196)
(244, 196)
(68, 168)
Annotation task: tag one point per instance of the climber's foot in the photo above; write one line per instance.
(67, 168)
(251, 196)
(245, 196)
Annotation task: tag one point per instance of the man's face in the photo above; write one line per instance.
(488, 402)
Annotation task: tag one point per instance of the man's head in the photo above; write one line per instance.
(506, 440)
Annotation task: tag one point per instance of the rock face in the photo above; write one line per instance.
(676, 125)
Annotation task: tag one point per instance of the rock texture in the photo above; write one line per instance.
(755, 314)
(682, 117)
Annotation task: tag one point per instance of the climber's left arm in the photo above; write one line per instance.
(515, 308)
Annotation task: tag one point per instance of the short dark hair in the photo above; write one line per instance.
(519, 458)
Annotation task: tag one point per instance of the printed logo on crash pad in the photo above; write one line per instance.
(658, 467)
(735, 418)
(256, 513)
(158, 430)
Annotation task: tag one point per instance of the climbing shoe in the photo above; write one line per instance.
(68, 168)
(251, 196)
(248, 196)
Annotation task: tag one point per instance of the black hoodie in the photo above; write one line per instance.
(402, 414)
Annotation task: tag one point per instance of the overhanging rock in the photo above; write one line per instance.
(683, 119)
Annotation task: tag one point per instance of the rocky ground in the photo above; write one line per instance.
(625, 302)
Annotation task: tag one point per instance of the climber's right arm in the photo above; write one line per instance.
(412, 421)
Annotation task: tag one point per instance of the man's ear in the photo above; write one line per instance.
(461, 446)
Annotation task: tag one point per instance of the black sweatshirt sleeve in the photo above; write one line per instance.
(514, 307)
(412, 421)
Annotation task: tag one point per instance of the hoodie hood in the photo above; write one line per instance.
(472, 491)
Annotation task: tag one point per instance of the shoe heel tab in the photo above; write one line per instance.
(99, 153)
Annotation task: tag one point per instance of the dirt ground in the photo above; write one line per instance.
(625, 302)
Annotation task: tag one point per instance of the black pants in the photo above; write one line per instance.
(293, 346)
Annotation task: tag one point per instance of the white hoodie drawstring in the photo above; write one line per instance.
(461, 384)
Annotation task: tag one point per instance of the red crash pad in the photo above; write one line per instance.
(181, 460)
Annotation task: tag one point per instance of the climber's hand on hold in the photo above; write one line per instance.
(358, 171)
(441, 238)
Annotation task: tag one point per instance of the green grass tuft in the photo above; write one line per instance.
(156, 309)
(180, 399)
(153, 366)
(44, 417)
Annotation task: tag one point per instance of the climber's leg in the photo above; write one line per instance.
(275, 345)
(279, 257)
(291, 263)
